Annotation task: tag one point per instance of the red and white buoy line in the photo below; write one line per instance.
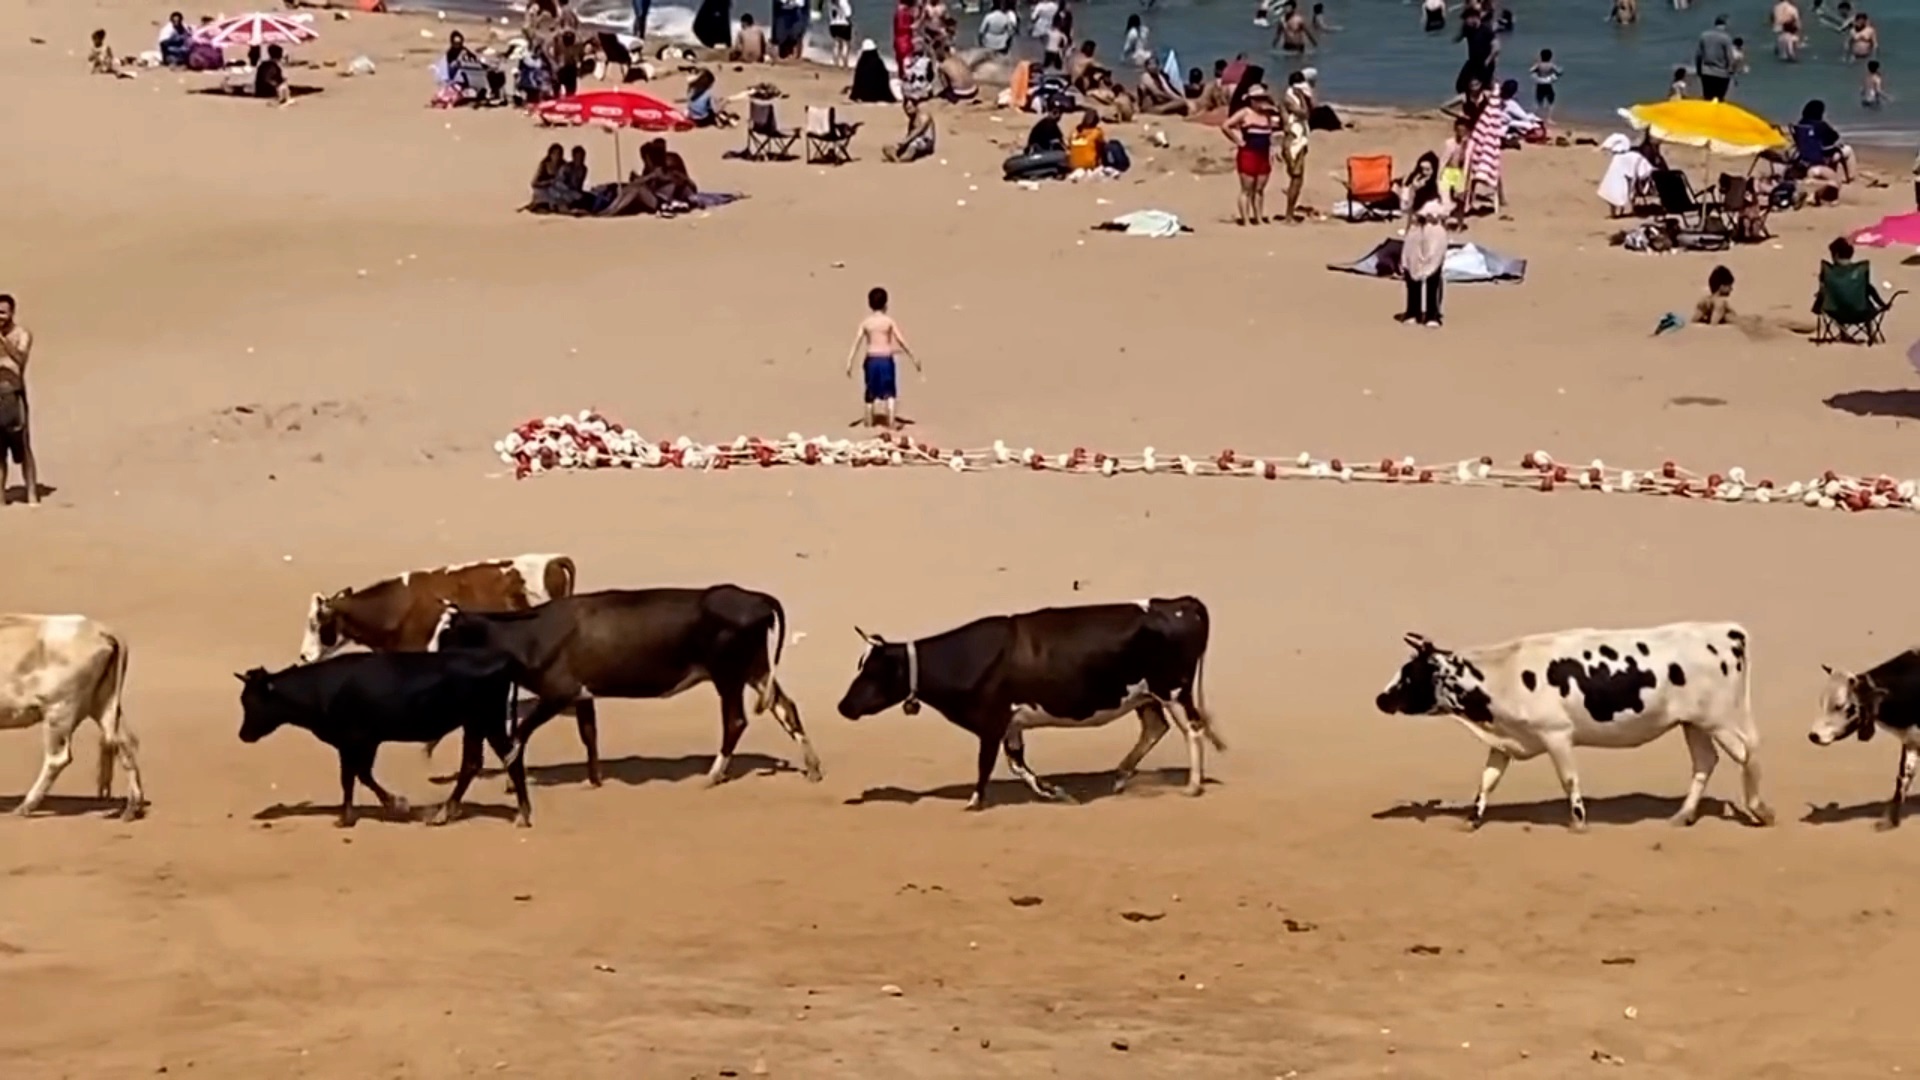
(588, 440)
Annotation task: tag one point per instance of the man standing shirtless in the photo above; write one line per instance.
(880, 339)
(16, 432)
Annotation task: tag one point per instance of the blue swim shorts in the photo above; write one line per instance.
(881, 383)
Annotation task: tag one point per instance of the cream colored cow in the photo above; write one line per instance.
(59, 670)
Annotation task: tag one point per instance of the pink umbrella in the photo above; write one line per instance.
(618, 108)
(1901, 230)
(259, 28)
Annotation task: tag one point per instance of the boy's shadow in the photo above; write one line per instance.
(898, 421)
(18, 494)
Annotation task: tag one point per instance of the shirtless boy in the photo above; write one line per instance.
(16, 432)
(878, 338)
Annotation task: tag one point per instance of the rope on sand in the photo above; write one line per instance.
(588, 440)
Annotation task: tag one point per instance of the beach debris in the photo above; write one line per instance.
(361, 65)
(892, 991)
(1025, 901)
(1141, 916)
(589, 440)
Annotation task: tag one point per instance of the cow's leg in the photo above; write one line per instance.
(589, 720)
(1153, 728)
(126, 747)
(517, 776)
(391, 803)
(989, 753)
(1490, 774)
(1700, 748)
(1196, 755)
(348, 771)
(1742, 746)
(733, 724)
(470, 742)
(787, 714)
(1015, 742)
(56, 756)
(1561, 751)
(1902, 780)
(542, 712)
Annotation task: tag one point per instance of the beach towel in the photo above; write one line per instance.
(1465, 264)
(1484, 147)
(1019, 89)
(1145, 223)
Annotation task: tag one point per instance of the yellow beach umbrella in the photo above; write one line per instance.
(1716, 125)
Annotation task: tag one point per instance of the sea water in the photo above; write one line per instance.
(1381, 56)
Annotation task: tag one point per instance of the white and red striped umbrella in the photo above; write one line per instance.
(259, 28)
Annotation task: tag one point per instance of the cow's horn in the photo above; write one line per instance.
(242, 678)
(1418, 641)
(1826, 669)
(871, 639)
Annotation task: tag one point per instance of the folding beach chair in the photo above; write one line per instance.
(766, 140)
(1744, 211)
(1369, 180)
(829, 142)
(1678, 198)
(1808, 150)
(1848, 308)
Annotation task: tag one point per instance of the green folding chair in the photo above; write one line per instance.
(1849, 309)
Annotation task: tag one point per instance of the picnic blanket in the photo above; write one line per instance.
(1465, 264)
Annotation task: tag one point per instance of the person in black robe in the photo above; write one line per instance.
(713, 23)
(871, 83)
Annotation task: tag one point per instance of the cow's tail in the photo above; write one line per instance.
(776, 644)
(107, 699)
(1199, 698)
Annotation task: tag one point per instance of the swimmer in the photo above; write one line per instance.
(1294, 34)
(1863, 39)
(1786, 31)
(1873, 90)
(1433, 15)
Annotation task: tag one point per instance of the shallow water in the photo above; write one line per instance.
(1381, 55)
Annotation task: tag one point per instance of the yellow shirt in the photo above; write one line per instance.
(1083, 149)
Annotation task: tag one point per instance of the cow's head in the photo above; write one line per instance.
(888, 675)
(1435, 682)
(260, 713)
(326, 630)
(1849, 705)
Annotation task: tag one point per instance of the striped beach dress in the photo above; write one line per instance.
(1483, 146)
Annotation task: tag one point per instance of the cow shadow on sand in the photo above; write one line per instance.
(1085, 787)
(1895, 404)
(635, 770)
(371, 812)
(67, 805)
(1834, 814)
(1606, 810)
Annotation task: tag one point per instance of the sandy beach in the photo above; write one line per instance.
(275, 347)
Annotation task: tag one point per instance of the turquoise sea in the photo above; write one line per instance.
(1381, 56)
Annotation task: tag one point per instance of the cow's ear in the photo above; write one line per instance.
(1826, 669)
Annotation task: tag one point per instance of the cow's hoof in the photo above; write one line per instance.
(1683, 819)
(1762, 815)
(1577, 826)
(441, 815)
(594, 780)
(399, 808)
(974, 805)
(23, 810)
(1472, 824)
(1120, 784)
(1886, 824)
(133, 811)
(812, 772)
(344, 821)
(1059, 795)
(1193, 791)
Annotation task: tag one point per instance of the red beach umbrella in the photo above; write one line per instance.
(259, 28)
(619, 108)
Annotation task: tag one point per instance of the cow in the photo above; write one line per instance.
(1886, 696)
(1548, 693)
(59, 670)
(355, 702)
(399, 614)
(641, 643)
(1076, 667)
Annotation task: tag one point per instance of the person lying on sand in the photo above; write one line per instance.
(1157, 96)
(919, 139)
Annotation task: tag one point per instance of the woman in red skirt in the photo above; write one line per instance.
(1251, 131)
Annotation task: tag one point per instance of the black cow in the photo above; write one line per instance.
(641, 643)
(1079, 667)
(355, 702)
(1887, 696)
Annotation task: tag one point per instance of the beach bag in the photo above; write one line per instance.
(1113, 155)
(204, 57)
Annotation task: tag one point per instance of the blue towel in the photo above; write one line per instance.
(1672, 320)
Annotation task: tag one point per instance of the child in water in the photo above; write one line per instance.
(1873, 90)
(1678, 91)
(1545, 74)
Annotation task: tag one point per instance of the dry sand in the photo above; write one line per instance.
(181, 257)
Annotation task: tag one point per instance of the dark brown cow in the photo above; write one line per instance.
(399, 614)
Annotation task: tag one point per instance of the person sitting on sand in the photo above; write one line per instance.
(1716, 308)
(953, 79)
(703, 107)
(176, 41)
(1083, 69)
(269, 80)
(1521, 124)
(919, 139)
(547, 192)
(100, 58)
(1112, 100)
(1086, 149)
(750, 44)
(1157, 95)
(472, 75)
(665, 173)
(1196, 86)
(1813, 123)
(532, 78)
(1046, 136)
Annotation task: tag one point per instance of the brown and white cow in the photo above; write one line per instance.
(400, 613)
(58, 670)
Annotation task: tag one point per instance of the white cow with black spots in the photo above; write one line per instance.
(1548, 693)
